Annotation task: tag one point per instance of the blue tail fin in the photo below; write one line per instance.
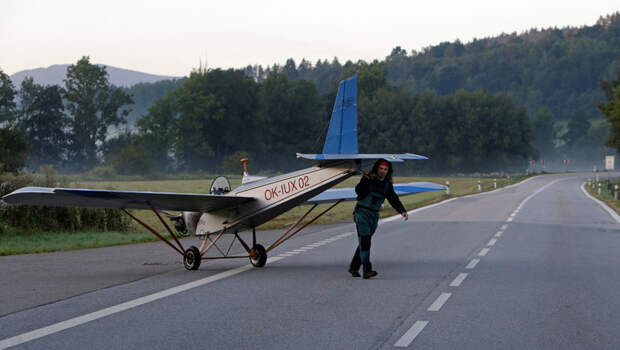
(342, 133)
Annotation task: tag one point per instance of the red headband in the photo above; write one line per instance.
(384, 163)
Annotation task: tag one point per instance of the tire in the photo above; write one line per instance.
(192, 258)
(261, 256)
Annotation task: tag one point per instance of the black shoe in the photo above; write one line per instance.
(370, 274)
(354, 273)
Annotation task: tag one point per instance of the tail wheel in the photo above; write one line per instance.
(192, 258)
(259, 258)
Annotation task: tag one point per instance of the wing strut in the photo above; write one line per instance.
(284, 236)
(180, 251)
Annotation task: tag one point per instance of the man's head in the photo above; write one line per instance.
(382, 169)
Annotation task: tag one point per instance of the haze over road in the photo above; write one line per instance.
(534, 265)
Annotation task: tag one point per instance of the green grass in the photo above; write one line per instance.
(606, 195)
(11, 243)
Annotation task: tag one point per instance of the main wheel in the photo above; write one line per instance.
(260, 258)
(192, 258)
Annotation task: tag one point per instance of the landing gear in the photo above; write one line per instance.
(192, 258)
(258, 256)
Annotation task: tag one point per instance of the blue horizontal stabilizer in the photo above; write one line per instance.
(390, 157)
(348, 194)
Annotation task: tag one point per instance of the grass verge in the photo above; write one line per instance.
(606, 195)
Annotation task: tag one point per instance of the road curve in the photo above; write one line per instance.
(534, 265)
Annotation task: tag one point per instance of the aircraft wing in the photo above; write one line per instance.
(348, 194)
(78, 197)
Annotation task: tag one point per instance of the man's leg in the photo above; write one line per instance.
(356, 262)
(364, 250)
(372, 224)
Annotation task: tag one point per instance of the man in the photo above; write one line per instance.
(372, 190)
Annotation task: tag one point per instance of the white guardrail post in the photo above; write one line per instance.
(447, 187)
(479, 186)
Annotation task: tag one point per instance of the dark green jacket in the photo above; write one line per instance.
(384, 188)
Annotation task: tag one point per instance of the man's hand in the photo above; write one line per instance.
(405, 215)
(365, 174)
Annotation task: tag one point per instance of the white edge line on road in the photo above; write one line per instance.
(504, 227)
(484, 252)
(499, 234)
(76, 321)
(438, 303)
(458, 280)
(472, 263)
(411, 334)
(611, 212)
(509, 219)
(492, 242)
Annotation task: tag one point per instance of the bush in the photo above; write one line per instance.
(35, 218)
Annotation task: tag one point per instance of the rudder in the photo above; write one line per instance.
(342, 133)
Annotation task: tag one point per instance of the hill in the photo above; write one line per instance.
(555, 68)
(54, 75)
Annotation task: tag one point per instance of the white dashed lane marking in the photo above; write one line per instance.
(438, 303)
(504, 227)
(411, 334)
(492, 242)
(458, 280)
(484, 252)
(499, 234)
(472, 263)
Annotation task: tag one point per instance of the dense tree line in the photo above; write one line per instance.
(553, 68)
(217, 115)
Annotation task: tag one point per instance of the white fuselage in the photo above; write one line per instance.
(274, 196)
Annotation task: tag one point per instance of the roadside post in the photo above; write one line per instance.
(479, 186)
(599, 188)
(616, 192)
(495, 183)
(447, 187)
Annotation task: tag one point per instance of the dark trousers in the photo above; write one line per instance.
(366, 224)
(356, 262)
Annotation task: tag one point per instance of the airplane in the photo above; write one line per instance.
(257, 200)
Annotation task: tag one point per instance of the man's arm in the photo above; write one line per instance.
(395, 202)
(362, 189)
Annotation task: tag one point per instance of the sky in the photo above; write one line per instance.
(174, 37)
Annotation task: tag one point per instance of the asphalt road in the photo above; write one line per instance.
(531, 266)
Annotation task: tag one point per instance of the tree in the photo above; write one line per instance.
(13, 149)
(544, 133)
(42, 121)
(578, 126)
(611, 110)
(7, 97)
(159, 130)
(93, 105)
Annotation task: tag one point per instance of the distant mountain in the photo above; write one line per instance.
(54, 75)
